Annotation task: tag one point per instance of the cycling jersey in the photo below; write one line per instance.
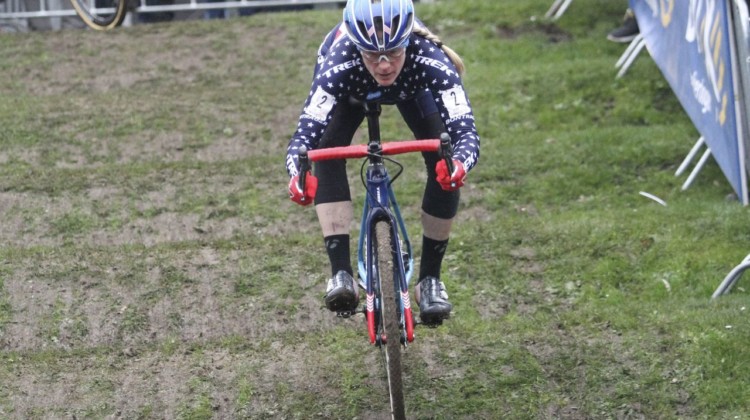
(340, 73)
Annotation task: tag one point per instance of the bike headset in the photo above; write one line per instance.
(379, 25)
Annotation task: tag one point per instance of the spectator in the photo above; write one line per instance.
(628, 31)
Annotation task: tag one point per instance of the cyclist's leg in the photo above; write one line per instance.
(333, 203)
(439, 207)
(334, 208)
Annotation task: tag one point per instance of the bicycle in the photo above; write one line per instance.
(384, 254)
(101, 14)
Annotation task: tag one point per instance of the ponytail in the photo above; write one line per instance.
(454, 57)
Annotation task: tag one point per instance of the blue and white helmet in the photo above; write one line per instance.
(379, 25)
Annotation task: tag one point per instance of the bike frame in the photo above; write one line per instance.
(381, 204)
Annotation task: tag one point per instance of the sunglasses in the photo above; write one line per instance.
(375, 57)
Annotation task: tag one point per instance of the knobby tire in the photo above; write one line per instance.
(390, 318)
(97, 19)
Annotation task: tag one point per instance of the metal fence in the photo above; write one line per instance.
(22, 15)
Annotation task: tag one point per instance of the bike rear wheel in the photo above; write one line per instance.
(390, 317)
(101, 14)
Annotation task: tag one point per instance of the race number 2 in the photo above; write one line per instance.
(455, 101)
(320, 105)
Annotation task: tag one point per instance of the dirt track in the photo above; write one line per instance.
(126, 302)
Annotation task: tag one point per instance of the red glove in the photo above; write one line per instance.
(450, 182)
(296, 193)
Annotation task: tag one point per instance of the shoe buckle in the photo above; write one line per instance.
(443, 291)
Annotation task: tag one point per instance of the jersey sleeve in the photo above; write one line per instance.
(335, 64)
(441, 78)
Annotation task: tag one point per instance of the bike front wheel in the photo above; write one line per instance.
(101, 14)
(390, 317)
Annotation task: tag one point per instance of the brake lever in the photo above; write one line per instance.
(304, 165)
(446, 152)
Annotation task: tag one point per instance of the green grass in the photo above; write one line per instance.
(151, 265)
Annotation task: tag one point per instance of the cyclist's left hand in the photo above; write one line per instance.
(453, 181)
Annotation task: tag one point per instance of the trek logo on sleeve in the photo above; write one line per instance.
(341, 67)
(436, 64)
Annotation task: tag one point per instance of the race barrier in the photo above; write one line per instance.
(557, 9)
(700, 47)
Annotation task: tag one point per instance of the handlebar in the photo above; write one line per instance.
(442, 146)
(360, 150)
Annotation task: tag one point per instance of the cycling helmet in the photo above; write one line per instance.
(379, 25)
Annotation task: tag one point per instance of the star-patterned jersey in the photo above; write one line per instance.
(340, 73)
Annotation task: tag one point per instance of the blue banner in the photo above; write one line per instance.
(691, 43)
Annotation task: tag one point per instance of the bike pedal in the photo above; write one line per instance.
(432, 322)
(346, 314)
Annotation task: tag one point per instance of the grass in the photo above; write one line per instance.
(151, 265)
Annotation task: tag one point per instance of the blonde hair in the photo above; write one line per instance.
(454, 57)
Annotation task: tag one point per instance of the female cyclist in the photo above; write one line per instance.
(381, 51)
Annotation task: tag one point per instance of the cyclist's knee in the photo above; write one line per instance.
(438, 202)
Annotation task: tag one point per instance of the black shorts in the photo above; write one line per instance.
(423, 119)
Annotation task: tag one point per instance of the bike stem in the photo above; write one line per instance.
(372, 112)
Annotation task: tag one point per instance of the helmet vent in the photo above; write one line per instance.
(362, 28)
(379, 24)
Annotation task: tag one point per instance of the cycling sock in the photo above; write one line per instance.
(337, 247)
(432, 257)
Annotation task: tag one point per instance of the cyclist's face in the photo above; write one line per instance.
(386, 66)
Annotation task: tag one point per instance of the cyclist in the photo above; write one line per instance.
(382, 52)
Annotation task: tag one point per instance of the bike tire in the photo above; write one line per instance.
(101, 14)
(390, 318)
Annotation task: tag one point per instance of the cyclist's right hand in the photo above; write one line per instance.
(303, 197)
